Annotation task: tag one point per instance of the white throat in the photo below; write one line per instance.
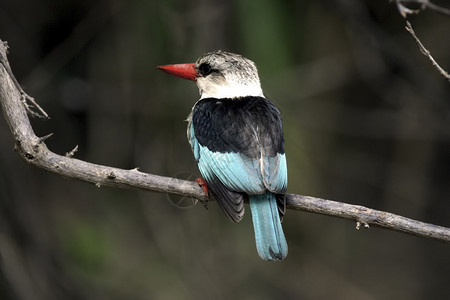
(225, 90)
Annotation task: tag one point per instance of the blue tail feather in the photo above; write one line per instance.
(270, 241)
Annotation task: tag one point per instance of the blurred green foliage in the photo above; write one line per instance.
(85, 245)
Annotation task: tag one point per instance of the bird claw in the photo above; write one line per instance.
(202, 183)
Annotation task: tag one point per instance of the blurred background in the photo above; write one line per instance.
(366, 120)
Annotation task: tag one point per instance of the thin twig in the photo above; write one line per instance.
(424, 4)
(72, 152)
(439, 9)
(34, 151)
(425, 52)
(25, 98)
(405, 11)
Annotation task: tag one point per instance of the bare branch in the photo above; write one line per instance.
(24, 97)
(425, 52)
(424, 4)
(34, 151)
(436, 8)
(405, 11)
(368, 217)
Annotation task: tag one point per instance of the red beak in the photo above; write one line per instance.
(186, 71)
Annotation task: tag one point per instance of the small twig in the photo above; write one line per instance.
(72, 152)
(405, 11)
(425, 52)
(44, 138)
(25, 98)
(438, 9)
(424, 4)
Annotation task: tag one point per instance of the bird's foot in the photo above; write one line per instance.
(202, 183)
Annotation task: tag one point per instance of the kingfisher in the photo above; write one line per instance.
(236, 136)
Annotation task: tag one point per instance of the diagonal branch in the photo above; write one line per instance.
(25, 98)
(425, 52)
(34, 151)
(405, 12)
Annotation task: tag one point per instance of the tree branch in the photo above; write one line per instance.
(25, 98)
(424, 4)
(405, 11)
(34, 151)
(425, 52)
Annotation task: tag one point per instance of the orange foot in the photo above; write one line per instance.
(202, 183)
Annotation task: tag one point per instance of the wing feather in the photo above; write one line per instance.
(239, 148)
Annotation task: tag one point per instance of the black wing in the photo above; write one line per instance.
(235, 137)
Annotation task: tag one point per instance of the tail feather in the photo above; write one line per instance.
(270, 241)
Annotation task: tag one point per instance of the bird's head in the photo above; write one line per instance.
(220, 74)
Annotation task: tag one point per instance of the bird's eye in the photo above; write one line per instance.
(205, 69)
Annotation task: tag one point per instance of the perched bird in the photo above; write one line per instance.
(236, 136)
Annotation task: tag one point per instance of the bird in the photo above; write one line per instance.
(236, 136)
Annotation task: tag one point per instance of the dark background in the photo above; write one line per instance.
(366, 120)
